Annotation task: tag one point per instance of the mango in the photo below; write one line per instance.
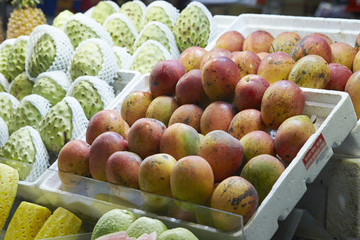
(256, 143)
(247, 62)
(135, 106)
(230, 40)
(258, 41)
(311, 45)
(246, 121)
(352, 87)
(189, 114)
(191, 57)
(284, 42)
(161, 108)
(343, 53)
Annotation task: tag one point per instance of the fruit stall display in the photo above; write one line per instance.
(183, 135)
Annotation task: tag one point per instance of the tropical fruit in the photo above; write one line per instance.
(122, 57)
(311, 45)
(177, 234)
(180, 140)
(113, 221)
(52, 85)
(192, 180)
(122, 31)
(339, 75)
(161, 11)
(135, 11)
(63, 122)
(61, 18)
(161, 108)
(31, 110)
(93, 57)
(147, 55)
(247, 62)
(193, 27)
(230, 40)
(216, 52)
(16, 61)
(27, 221)
(8, 103)
(262, 172)
(146, 225)
(236, 195)
(245, 121)
(4, 132)
(256, 143)
(258, 41)
(223, 152)
(311, 71)
(284, 42)
(189, 114)
(61, 223)
(343, 53)
(102, 10)
(24, 18)
(292, 135)
(281, 100)
(5, 50)
(4, 84)
(191, 57)
(25, 147)
(92, 93)
(135, 106)
(48, 49)
(8, 187)
(352, 87)
(21, 86)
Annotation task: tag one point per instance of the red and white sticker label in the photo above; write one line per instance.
(314, 151)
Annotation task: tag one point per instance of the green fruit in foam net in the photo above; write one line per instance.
(21, 86)
(101, 11)
(78, 32)
(88, 97)
(42, 56)
(61, 18)
(192, 28)
(134, 11)
(87, 61)
(20, 148)
(157, 14)
(153, 32)
(25, 115)
(49, 89)
(16, 61)
(6, 107)
(55, 128)
(4, 59)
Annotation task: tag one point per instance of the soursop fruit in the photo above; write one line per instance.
(161, 11)
(61, 18)
(102, 10)
(48, 49)
(4, 132)
(8, 104)
(5, 50)
(161, 33)
(21, 86)
(147, 55)
(25, 147)
(93, 57)
(122, 57)
(80, 27)
(135, 10)
(16, 62)
(63, 122)
(4, 84)
(92, 93)
(122, 30)
(31, 110)
(52, 86)
(193, 26)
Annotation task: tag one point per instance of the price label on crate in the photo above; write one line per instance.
(314, 152)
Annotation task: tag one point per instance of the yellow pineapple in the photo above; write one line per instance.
(24, 18)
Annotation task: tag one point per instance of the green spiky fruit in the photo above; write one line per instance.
(16, 63)
(42, 56)
(55, 128)
(4, 59)
(21, 86)
(192, 28)
(88, 97)
(7, 107)
(146, 57)
(157, 14)
(20, 148)
(61, 18)
(152, 31)
(101, 11)
(134, 11)
(120, 31)
(87, 61)
(49, 89)
(78, 32)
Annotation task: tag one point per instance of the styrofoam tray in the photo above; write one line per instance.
(335, 117)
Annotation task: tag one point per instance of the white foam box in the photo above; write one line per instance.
(334, 118)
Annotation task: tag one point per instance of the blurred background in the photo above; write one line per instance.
(331, 8)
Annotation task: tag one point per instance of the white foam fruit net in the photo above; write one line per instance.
(40, 103)
(105, 91)
(15, 102)
(4, 132)
(10, 41)
(124, 19)
(170, 10)
(4, 82)
(64, 48)
(59, 77)
(109, 66)
(41, 156)
(214, 30)
(123, 55)
(174, 51)
(163, 51)
(92, 24)
(79, 120)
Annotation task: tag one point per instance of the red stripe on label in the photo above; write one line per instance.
(314, 152)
